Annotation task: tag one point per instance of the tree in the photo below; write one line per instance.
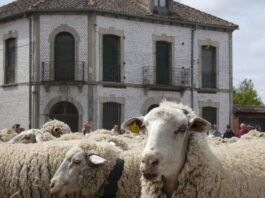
(245, 94)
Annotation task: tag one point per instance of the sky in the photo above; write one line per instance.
(248, 41)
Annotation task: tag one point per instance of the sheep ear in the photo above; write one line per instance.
(96, 160)
(134, 125)
(199, 125)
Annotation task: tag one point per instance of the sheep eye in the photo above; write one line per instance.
(76, 161)
(181, 129)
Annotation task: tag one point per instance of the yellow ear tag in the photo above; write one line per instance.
(135, 128)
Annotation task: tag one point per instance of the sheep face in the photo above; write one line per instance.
(167, 132)
(76, 165)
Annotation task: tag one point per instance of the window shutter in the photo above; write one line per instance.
(163, 62)
(64, 57)
(10, 60)
(208, 67)
(111, 58)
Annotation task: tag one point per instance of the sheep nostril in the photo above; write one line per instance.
(155, 163)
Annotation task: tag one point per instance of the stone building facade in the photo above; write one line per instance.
(107, 62)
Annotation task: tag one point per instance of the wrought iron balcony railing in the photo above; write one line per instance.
(179, 77)
(63, 71)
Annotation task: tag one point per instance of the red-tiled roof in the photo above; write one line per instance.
(248, 109)
(179, 12)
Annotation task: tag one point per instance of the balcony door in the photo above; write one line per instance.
(111, 58)
(64, 57)
(163, 63)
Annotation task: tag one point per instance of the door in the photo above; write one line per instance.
(111, 114)
(65, 112)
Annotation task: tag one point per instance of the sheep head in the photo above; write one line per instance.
(167, 129)
(83, 169)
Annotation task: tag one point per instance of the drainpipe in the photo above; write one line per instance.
(231, 79)
(30, 72)
(192, 67)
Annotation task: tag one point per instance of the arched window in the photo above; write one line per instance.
(208, 66)
(111, 58)
(64, 57)
(111, 114)
(163, 63)
(152, 107)
(65, 112)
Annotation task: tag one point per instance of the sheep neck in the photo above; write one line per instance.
(171, 182)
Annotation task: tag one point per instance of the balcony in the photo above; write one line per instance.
(63, 71)
(175, 78)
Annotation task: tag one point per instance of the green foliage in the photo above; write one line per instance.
(245, 94)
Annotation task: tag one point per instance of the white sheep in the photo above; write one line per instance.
(56, 128)
(26, 170)
(91, 167)
(27, 137)
(178, 162)
(7, 134)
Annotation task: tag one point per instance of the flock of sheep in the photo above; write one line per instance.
(171, 158)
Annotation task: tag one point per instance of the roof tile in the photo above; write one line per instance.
(179, 11)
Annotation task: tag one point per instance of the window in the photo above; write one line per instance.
(163, 63)
(160, 3)
(111, 114)
(65, 112)
(209, 114)
(10, 60)
(64, 62)
(161, 6)
(163, 3)
(208, 67)
(111, 58)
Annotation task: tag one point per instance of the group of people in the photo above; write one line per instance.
(244, 129)
(214, 132)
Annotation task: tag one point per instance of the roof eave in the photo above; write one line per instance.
(173, 21)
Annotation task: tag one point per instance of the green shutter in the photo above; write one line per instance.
(10, 60)
(208, 67)
(64, 57)
(163, 63)
(111, 58)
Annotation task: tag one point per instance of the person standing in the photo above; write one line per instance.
(242, 131)
(214, 131)
(115, 130)
(87, 127)
(228, 132)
